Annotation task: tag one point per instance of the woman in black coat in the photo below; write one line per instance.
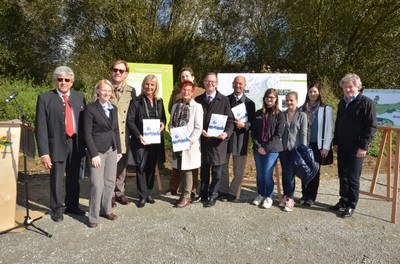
(146, 155)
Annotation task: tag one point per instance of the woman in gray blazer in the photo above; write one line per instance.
(295, 134)
(104, 147)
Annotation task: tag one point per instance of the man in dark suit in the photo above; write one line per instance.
(213, 149)
(59, 114)
(238, 142)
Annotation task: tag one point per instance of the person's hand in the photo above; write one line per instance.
(223, 136)
(119, 156)
(335, 147)
(144, 142)
(204, 133)
(361, 153)
(261, 151)
(161, 126)
(324, 153)
(46, 161)
(96, 162)
(239, 124)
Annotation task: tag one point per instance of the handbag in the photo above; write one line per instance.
(328, 160)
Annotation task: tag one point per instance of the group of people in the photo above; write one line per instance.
(112, 126)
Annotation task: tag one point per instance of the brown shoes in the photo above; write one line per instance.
(111, 216)
(91, 225)
(185, 201)
(113, 202)
(122, 199)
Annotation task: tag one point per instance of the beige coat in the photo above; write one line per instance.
(191, 158)
(123, 106)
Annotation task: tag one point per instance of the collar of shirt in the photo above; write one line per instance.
(347, 100)
(238, 97)
(212, 95)
(61, 94)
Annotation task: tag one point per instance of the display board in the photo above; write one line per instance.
(258, 83)
(387, 106)
(163, 72)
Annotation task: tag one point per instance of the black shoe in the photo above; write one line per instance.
(150, 199)
(348, 212)
(141, 203)
(57, 216)
(75, 211)
(230, 197)
(210, 202)
(337, 207)
(199, 199)
(223, 197)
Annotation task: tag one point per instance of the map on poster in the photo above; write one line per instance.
(387, 106)
(258, 83)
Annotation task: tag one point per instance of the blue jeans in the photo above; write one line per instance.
(288, 174)
(265, 165)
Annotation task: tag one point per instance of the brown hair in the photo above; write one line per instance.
(276, 106)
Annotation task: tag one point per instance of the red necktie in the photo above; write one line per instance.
(69, 125)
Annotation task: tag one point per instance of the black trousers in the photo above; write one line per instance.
(70, 167)
(312, 188)
(349, 169)
(207, 189)
(145, 171)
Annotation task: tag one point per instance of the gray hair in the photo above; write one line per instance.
(63, 70)
(353, 78)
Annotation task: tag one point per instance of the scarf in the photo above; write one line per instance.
(180, 118)
(311, 111)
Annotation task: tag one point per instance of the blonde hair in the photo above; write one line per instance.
(153, 78)
(95, 95)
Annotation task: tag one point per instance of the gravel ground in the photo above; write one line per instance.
(226, 233)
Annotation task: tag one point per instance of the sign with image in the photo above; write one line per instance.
(387, 106)
(258, 83)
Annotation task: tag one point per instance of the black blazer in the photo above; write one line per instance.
(136, 114)
(50, 124)
(101, 132)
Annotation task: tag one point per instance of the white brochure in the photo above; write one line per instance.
(180, 138)
(240, 112)
(217, 125)
(151, 131)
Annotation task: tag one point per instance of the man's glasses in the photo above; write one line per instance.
(210, 82)
(118, 70)
(63, 79)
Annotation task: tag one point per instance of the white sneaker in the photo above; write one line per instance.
(267, 203)
(289, 205)
(258, 200)
(283, 202)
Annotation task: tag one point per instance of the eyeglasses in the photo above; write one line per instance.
(63, 79)
(270, 97)
(118, 70)
(210, 82)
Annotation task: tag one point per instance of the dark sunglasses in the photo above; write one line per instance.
(118, 70)
(63, 79)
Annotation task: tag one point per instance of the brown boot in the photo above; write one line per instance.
(184, 202)
(179, 200)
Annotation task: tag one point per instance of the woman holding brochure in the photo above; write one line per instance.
(146, 121)
(187, 114)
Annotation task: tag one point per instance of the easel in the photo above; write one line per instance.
(387, 139)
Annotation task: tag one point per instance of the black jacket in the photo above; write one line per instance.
(355, 125)
(101, 132)
(276, 125)
(136, 113)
